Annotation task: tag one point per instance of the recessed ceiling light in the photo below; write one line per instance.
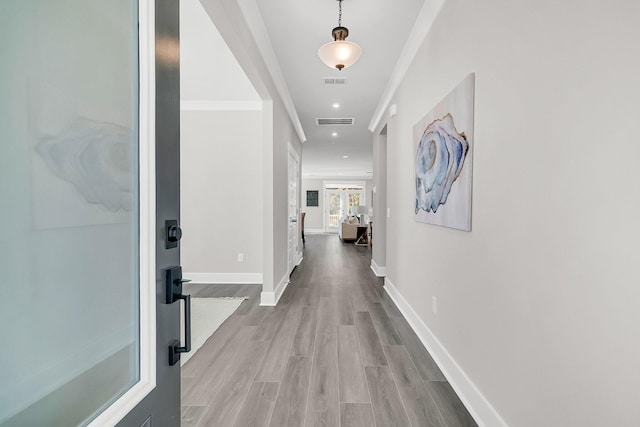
(334, 134)
(345, 157)
(336, 105)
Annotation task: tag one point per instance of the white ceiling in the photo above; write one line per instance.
(202, 51)
(296, 29)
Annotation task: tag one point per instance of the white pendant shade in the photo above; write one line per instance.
(339, 54)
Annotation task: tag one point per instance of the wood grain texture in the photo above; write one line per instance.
(190, 415)
(452, 409)
(353, 384)
(258, 405)
(421, 409)
(302, 362)
(356, 415)
(387, 405)
(385, 327)
(342, 302)
(291, 403)
(357, 300)
(427, 367)
(306, 333)
(200, 391)
(275, 361)
(212, 348)
(326, 323)
(323, 405)
(370, 346)
(225, 405)
(268, 326)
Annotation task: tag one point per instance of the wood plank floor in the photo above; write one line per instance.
(335, 352)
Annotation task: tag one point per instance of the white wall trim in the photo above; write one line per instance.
(358, 177)
(251, 14)
(211, 105)
(421, 28)
(478, 405)
(224, 278)
(378, 270)
(272, 298)
(313, 231)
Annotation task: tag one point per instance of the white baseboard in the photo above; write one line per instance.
(313, 231)
(377, 270)
(475, 402)
(224, 278)
(272, 298)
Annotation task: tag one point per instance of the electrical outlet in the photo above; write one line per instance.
(388, 212)
(240, 257)
(434, 305)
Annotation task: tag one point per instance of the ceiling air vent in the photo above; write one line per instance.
(340, 121)
(335, 80)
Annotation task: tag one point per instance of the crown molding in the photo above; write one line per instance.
(418, 34)
(251, 14)
(210, 105)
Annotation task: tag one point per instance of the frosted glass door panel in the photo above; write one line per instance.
(69, 209)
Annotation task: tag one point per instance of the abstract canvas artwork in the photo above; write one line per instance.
(443, 147)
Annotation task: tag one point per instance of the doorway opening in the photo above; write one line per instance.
(340, 198)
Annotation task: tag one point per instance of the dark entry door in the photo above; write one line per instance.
(162, 406)
(89, 175)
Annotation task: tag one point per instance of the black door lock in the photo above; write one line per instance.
(173, 233)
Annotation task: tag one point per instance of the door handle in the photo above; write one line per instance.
(174, 293)
(174, 347)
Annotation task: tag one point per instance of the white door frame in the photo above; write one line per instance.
(147, 259)
(293, 228)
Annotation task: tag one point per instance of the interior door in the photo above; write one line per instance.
(294, 223)
(83, 256)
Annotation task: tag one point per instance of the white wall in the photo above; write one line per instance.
(221, 195)
(538, 304)
(221, 158)
(277, 133)
(208, 69)
(313, 220)
(379, 227)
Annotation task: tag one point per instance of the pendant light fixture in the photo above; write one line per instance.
(339, 53)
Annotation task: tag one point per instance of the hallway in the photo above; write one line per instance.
(334, 352)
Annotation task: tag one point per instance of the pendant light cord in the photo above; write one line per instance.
(340, 13)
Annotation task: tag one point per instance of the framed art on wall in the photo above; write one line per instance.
(443, 147)
(312, 198)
